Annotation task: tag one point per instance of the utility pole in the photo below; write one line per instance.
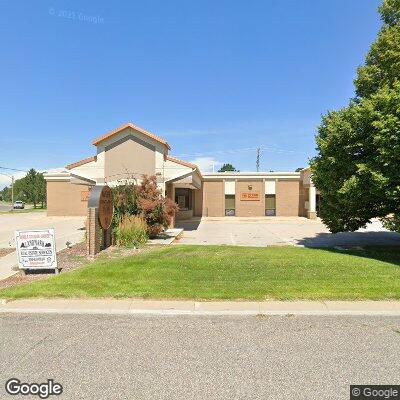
(258, 159)
(12, 192)
(12, 189)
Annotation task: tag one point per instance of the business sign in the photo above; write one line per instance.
(101, 197)
(85, 195)
(36, 249)
(250, 196)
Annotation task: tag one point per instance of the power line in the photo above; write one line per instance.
(13, 169)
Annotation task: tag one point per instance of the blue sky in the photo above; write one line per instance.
(215, 78)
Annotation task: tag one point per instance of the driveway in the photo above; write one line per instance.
(279, 231)
(66, 229)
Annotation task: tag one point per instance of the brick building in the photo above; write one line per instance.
(129, 152)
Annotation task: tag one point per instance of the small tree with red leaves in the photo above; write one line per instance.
(155, 209)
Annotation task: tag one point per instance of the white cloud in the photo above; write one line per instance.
(6, 181)
(206, 164)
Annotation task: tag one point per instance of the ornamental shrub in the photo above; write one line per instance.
(131, 231)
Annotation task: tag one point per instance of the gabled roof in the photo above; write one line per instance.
(81, 162)
(184, 163)
(135, 127)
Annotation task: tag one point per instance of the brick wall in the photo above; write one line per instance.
(287, 198)
(66, 199)
(213, 199)
(245, 208)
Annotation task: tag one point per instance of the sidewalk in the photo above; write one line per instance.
(172, 307)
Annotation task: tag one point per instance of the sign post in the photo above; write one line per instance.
(36, 249)
(100, 214)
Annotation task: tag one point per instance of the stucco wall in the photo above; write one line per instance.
(198, 202)
(65, 199)
(213, 199)
(170, 193)
(287, 198)
(250, 208)
(129, 157)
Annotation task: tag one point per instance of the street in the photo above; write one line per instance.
(186, 357)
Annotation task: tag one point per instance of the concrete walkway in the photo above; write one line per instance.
(174, 307)
(278, 231)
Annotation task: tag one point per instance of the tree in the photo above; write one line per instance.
(30, 189)
(227, 168)
(155, 209)
(358, 147)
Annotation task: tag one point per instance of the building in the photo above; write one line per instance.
(128, 152)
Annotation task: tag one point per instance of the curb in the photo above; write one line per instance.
(200, 308)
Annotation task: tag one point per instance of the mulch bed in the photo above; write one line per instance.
(5, 251)
(69, 259)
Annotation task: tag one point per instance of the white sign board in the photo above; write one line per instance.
(36, 249)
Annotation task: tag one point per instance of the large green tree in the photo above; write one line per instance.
(357, 167)
(227, 168)
(30, 189)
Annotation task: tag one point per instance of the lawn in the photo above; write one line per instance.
(24, 210)
(225, 272)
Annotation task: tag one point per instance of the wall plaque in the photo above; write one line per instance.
(250, 196)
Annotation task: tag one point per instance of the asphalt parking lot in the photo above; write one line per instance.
(184, 357)
(67, 228)
(279, 231)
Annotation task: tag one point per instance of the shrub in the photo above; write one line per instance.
(156, 210)
(124, 202)
(131, 231)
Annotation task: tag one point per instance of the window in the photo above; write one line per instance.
(270, 205)
(230, 205)
(183, 197)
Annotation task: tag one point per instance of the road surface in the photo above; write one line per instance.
(182, 357)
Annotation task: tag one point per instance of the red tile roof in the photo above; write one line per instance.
(81, 162)
(184, 163)
(129, 125)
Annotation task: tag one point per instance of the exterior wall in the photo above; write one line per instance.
(246, 208)
(303, 196)
(287, 198)
(134, 156)
(213, 199)
(173, 170)
(129, 158)
(198, 202)
(90, 170)
(65, 199)
(170, 194)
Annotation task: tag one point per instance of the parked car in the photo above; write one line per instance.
(19, 204)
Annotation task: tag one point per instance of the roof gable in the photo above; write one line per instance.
(135, 127)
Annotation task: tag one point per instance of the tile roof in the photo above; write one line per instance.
(81, 162)
(184, 163)
(135, 127)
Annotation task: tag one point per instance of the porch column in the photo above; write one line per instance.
(312, 198)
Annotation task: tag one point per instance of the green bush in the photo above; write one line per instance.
(131, 231)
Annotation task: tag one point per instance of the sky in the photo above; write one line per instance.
(215, 78)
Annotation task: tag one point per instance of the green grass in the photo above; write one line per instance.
(23, 211)
(225, 272)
